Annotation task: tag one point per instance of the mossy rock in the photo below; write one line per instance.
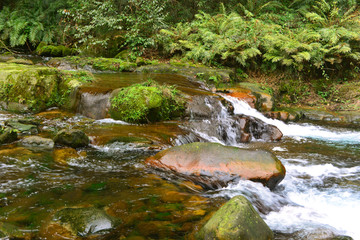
(237, 219)
(34, 88)
(7, 56)
(100, 64)
(28, 85)
(9, 231)
(22, 127)
(147, 102)
(72, 138)
(7, 135)
(265, 100)
(54, 51)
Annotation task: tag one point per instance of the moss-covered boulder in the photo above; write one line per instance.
(27, 85)
(34, 88)
(147, 102)
(7, 135)
(236, 220)
(73, 138)
(214, 165)
(54, 51)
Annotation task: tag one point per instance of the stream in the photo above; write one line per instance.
(318, 199)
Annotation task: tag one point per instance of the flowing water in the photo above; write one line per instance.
(320, 194)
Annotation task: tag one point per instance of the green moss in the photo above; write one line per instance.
(147, 102)
(21, 61)
(54, 51)
(36, 87)
(237, 219)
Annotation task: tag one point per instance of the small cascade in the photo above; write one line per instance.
(94, 105)
(295, 130)
(212, 118)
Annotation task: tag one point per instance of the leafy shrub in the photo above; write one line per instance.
(31, 21)
(224, 38)
(328, 44)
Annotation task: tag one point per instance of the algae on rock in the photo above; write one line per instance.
(147, 102)
(35, 88)
(237, 219)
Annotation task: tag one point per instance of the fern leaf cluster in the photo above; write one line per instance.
(329, 39)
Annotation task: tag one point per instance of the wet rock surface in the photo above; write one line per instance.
(7, 135)
(237, 219)
(38, 142)
(81, 221)
(213, 117)
(213, 165)
(73, 138)
(23, 126)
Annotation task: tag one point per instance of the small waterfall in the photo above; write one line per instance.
(94, 105)
(212, 118)
(295, 130)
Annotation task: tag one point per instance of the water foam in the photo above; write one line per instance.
(296, 130)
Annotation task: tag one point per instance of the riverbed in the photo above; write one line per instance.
(320, 195)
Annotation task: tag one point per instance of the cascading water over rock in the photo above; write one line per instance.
(212, 118)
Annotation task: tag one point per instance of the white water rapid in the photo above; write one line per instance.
(320, 195)
(296, 130)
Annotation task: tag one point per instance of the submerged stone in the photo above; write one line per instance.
(63, 155)
(214, 165)
(38, 142)
(73, 138)
(84, 221)
(237, 219)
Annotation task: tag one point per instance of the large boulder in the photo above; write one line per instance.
(147, 102)
(237, 219)
(73, 138)
(213, 165)
(30, 88)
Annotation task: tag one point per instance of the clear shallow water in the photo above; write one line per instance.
(321, 189)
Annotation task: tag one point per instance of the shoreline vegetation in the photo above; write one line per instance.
(304, 53)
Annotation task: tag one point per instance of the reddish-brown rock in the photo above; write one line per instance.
(213, 165)
(244, 96)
